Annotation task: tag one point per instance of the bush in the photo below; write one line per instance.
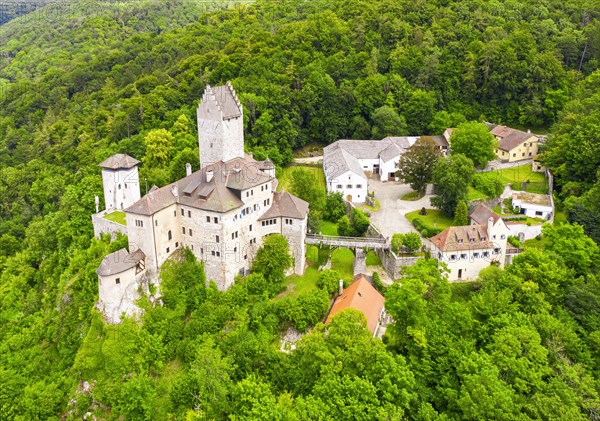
(491, 187)
(412, 241)
(334, 207)
(306, 310)
(329, 280)
(423, 211)
(514, 241)
(377, 283)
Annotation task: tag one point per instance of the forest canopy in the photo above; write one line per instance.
(80, 83)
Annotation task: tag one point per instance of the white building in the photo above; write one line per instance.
(349, 163)
(469, 249)
(532, 204)
(120, 181)
(221, 212)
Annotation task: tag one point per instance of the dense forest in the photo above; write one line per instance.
(80, 81)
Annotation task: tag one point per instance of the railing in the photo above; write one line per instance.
(347, 241)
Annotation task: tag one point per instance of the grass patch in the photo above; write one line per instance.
(342, 260)
(535, 243)
(286, 175)
(297, 284)
(116, 216)
(329, 228)
(433, 215)
(474, 194)
(373, 259)
(412, 196)
(317, 256)
(516, 175)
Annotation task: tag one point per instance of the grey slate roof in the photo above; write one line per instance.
(226, 99)
(217, 195)
(286, 205)
(119, 160)
(119, 261)
(342, 156)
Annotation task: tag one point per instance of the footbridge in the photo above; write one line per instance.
(348, 242)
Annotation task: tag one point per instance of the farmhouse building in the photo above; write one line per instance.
(349, 163)
(514, 145)
(532, 204)
(469, 249)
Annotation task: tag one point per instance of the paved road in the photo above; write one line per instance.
(390, 218)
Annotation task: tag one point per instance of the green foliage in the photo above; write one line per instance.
(490, 186)
(409, 242)
(159, 146)
(182, 284)
(304, 184)
(272, 260)
(474, 141)
(452, 177)
(416, 165)
(329, 281)
(306, 309)
(461, 214)
(334, 207)
(387, 122)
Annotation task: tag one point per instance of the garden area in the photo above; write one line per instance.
(116, 216)
(434, 222)
(491, 183)
(287, 173)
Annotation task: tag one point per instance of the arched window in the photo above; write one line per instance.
(170, 235)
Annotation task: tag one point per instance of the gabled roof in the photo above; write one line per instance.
(509, 138)
(119, 261)
(439, 140)
(286, 205)
(467, 237)
(119, 160)
(390, 152)
(337, 161)
(363, 297)
(482, 213)
(224, 99)
(198, 190)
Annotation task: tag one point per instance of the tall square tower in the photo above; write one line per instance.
(220, 125)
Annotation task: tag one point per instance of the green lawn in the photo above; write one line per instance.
(297, 284)
(342, 260)
(116, 216)
(287, 172)
(329, 228)
(514, 176)
(433, 215)
(412, 196)
(474, 194)
(373, 259)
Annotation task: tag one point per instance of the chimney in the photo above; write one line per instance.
(209, 175)
(188, 169)
(341, 291)
(490, 224)
(528, 131)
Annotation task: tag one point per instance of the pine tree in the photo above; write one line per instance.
(461, 214)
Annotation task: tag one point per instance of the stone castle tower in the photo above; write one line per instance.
(220, 125)
(120, 181)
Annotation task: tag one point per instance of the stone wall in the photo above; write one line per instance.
(393, 264)
(104, 226)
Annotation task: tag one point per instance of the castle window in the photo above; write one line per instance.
(477, 255)
(156, 223)
(288, 221)
(119, 187)
(250, 227)
(214, 253)
(349, 186)
(235, 249)
(208, 219)
(216, 220)
(339, 186)
(125, 186)
(514, 154)
(245, 257)
(251, 192)
(463, 256)
(174, 213)
(530, 153)
(176, 244)
(190, 231)
(118, 281)
(453, 257)
(486, 254)
(359, 186)
(183, 229)
(168, 249)
(234, 235)
(217, 238)
(170, 235)
(255, 206)
(247, 194)
(189, 214)
(139, 223)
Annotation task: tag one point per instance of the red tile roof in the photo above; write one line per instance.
(363, 297)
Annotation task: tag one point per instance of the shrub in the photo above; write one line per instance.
(491, 187)
(514, 241)
(423, 211)
(377, 283)
(412, 241)
(329, 280)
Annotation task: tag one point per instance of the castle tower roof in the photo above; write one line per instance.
(224, 99)
(119, 160)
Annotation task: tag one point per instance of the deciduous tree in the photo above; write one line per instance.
(415, 166)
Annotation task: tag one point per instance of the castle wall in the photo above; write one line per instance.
(104, 226)
(118, 298)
